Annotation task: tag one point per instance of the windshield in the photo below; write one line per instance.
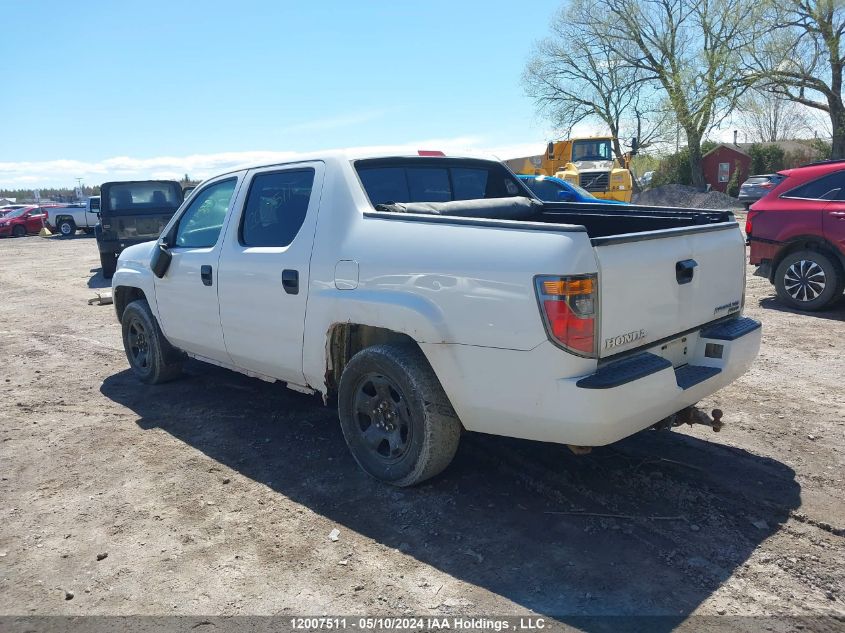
(16, 213)
(581, 191)
(594, 149)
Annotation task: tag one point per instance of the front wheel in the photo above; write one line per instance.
(152, 358)
(395, 416)
(808, 280)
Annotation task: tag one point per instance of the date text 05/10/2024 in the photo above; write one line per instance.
(419, 623)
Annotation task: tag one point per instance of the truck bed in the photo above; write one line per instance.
(602, 220)
(599, 220)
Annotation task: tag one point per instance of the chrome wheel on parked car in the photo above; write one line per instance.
(67, 228)
(808, 280)
(804, 280)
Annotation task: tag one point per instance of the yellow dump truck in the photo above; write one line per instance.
(587, 162)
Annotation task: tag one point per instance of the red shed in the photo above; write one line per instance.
(721, 162)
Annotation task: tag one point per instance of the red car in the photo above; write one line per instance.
(797, 235)
(25, 220)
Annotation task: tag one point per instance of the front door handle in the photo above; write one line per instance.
(684, 270)
(205, 274)
(838, 214)
(290, 281)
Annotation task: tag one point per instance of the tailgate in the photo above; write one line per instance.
(655, 285)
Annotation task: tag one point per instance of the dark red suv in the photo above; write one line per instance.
(797, 235)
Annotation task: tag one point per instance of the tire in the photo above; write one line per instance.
(151, 357)
(395, 416)
(66, 227)
(808, 280)
(109, 264)
(19, 231)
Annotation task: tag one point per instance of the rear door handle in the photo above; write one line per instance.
(684, 270)
(290, 281)
(205, 274)
(838, 214)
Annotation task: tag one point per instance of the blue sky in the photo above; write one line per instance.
(150, 88)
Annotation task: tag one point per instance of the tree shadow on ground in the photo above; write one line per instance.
(502, 516)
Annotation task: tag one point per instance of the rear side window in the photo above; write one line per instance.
(434, 180)
(830, 187)
(276, 207)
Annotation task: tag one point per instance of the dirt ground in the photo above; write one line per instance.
(216, 494)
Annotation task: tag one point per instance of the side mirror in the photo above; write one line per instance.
(564, 195)
(161, 259)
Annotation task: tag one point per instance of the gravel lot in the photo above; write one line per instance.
(216, 494)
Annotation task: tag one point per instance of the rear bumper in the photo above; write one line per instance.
(762, 249)
(513, 393)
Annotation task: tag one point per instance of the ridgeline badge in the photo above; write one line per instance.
(624, 339)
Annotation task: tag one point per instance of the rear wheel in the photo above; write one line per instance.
(109, 264)
(67, 227)
(395, 416)
(19, 231)
(808, 280)
(152, 358)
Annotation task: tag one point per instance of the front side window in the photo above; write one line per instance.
(200, 225)
(830, 187)
(276, 207)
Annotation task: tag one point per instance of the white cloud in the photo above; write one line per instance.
(64, 172)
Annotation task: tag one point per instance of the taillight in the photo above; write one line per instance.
(749, 220)
(569, 306)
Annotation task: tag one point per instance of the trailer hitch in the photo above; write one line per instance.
(691, 415)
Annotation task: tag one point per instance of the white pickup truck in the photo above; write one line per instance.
(432, 294)
(67, 220)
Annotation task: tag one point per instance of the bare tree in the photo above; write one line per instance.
(802, 59)
(575, 77)
(767, 118)
(692, 49)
